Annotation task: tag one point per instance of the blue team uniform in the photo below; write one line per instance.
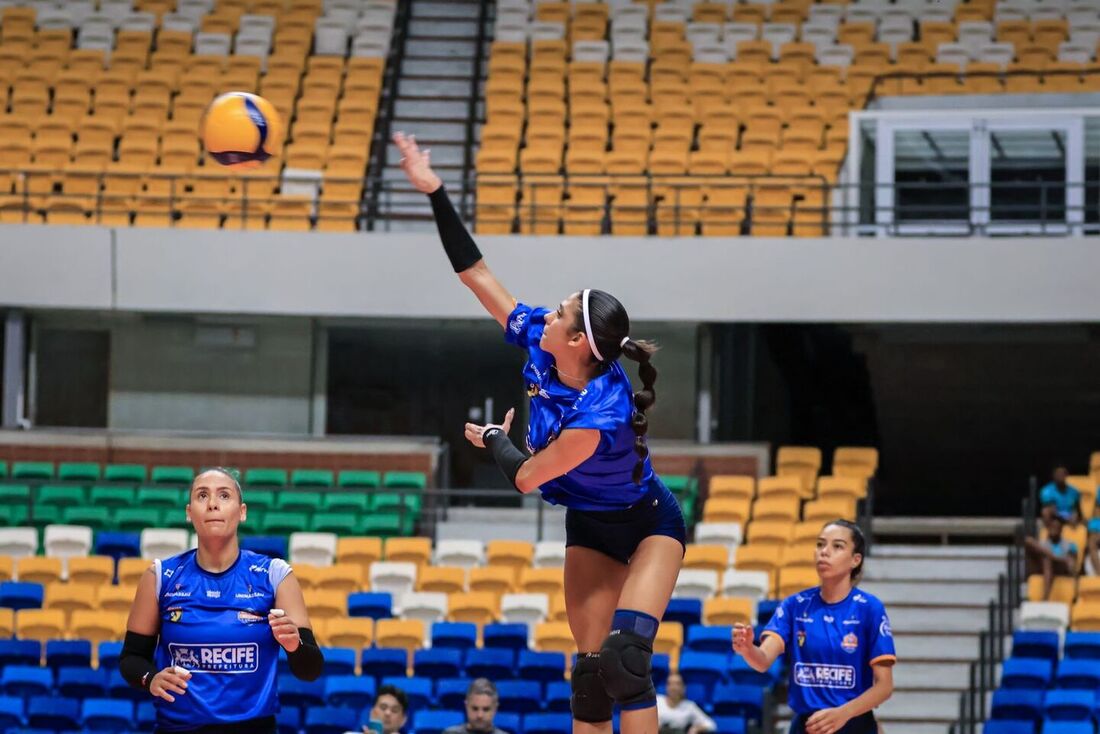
(830, 648)
(601, 491)
(215, 625)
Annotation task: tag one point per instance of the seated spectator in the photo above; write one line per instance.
(678, 715)
(1052, 557)
(481, 707)
(1094, 537)
(391, 709)
(1060, 498)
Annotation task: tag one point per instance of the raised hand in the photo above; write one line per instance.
(416, 164)
(474, 432)
(742, 638)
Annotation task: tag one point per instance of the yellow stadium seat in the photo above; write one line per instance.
(117, 598)
(706, 557)
(445, 579)
(69, 597)
(38, 569)
(800, 553)
(555, 637)
(670, 638)
(478, 607)
(802, 461)
(727, 510)
(360, 551)
(732, 486)
(794, 579)
(512, 553)
(775, 533)
(1085, 616)
(852, 461)
(325, 604)
(41, 624)
(7, 622)
(773, 507)
(1088, 588)
(352, 632)
(406, 634)
(725, 209)
(549, 581)
(412, 550)
(343, 577)
(789, 486)
(307, 575)
(728, 611)
(557, 611)
(1064, 589)
(751, 557)
(7, 568)
(832, 486)
(493, 579)
(826, 510)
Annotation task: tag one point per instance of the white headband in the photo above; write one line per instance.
(588, 324)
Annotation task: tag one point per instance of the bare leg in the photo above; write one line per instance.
(1094, 553)
(1048, 576)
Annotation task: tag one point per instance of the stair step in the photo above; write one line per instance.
(439, 48)
(945, 675)
(450, 9)
(432, 132)
(955, 647)
(423, 109)
(883, 550)
(919, 706)
(443, 154)
(937, 619)
(451, 68)
(915, 727)
(432, 28)
(900, 568)
(919, 592)
(433, 88)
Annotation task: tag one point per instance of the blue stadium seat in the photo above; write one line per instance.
(352, 691)
(51, 712)
(1082, 675)
(373, 604)
(703, 668)
(288, 720)
(21, 595)
(1020, 705)
(1026, 673)
(145, 716)
(332, 720)
(1069, 705)
(119, 688)
(26, 680)
(294, 692)
(1068, 727)
(450, 693)
(434, 722)
(381, 662)
(541, 666)
(11, 712)
(709, 638)
(117, 545)
(81, 683)
(510, 722)
(1035, 644)
(729, 725)
(68, 654)
(519, 696)
(20, 652)
(106, 714)
(419, 690)
(273, 546)
(743, 675)
(494, 664)
(557, 697)
(1008, 726)
(109, 653)
(557, 723)
(765, 610)
(687, 612)
(436, 664)
(513, 636)
(661, 664)
(1082, 645)
(339, 661)
(744, 701)
(454, 635)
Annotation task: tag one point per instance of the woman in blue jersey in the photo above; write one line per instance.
(837, 641)
(586, 450)
(205, 629)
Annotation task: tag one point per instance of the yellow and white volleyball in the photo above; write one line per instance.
(241, 130)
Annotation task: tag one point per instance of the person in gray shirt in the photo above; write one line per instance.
(481, 707)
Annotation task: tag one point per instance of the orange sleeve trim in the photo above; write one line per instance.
(769, 633)
(884, 659)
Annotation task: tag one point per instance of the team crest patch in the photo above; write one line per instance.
(850, 642)
(174, 615)
(532, 390)
(801, 638)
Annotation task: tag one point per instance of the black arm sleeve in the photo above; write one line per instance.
(307, 662)
(457, 243)
(136, 662)
(506, 455)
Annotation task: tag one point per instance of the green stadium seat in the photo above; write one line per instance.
(280, 523)
(3, 468)
(687, 506)
(97, 518)
(61, 495)
(13, 516)
(341, 523)
(392, 501)
(82, 471)
(359, 479)
(176, 517)
(32, 470)
(14, 494)
(134, 473)
(259, 499)
(112, 496)
(405, 480)
(136, 519)
(262, 477)
(383, 525)
(43, 515)
(681, 485)
(311, 478)
(173, 475)
(161, 497)
(356, 502)
(298, 501)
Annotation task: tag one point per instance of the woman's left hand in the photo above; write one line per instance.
(474, 431)
(285, 632)
(826, 721)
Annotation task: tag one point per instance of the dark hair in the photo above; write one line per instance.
(859, 544)
(483, 687)
(391, 690)
(610, 325)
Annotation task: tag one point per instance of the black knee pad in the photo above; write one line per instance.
(626, 669)
(589, 702)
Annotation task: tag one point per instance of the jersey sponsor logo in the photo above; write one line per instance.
(884, 627)
(256, 568)
(168, 573)
(174, 614)
(779, 612)
(850, 643)
(241, 657)
(250, 595)
(860, 598)
(828, 619)
(178, 593)
(516, 324)
(213, 594)
(851, 621)
(801, 637)
(249, 617)
(804, 620)
(818, 675)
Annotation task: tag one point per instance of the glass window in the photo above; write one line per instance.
(931, 175)
(1027, 175)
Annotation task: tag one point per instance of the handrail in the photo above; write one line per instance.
(468, 158)
(383, 127)
(899, 76)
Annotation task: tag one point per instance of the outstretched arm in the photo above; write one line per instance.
(461, 249)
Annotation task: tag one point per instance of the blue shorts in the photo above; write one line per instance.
(1094, 525)
(618, 533)
(864, 724)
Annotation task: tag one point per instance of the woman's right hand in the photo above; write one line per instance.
(742, 638)
(168, 681)
(416, 164)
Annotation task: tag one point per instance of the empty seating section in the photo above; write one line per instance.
(100, 110)
(724, 118)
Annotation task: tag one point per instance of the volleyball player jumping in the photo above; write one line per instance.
(586, 442)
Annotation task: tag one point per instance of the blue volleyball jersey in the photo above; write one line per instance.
(830, 648)
(215, 625)
(604, 481)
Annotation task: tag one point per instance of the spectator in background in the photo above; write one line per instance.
(391, 708)
(1052, 557)
(481, 707)
(1094, 537)
(678, 715)
(1060, 498)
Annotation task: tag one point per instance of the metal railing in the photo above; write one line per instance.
(895, 83)
(380, 140)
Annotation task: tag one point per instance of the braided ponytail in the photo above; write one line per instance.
(640, 351)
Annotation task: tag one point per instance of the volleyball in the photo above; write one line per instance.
(241, 130)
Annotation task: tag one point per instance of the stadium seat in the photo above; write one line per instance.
(706, 557)
(732, 486)
(418, 690)
(352, 691)
(696, 584)
(454, 635)
(97, 626)
(477, 607)
(118, 545)
(91, 570)
(53, 713)
(331, 720)
(734, 700)
(1017, 704)
(395, 578)
(1029, 673)
(1080, 645)
(554, 637)
(425, 606)
(540, 666)
(374, 604)
(464, 554)
(382, 662)
(409, 550)
(71, 654)
(272, 546)
(1059, 705)
(38, 569)
(492, 663)
(1044, 615)
(495, 580)
(363, 551)
(549, 553)
(19, 652)
(133, 473)
(1036, 644)
(436, 663)
(21, 595)
(11, 712)
(508, 553)
(25, 681)
(1077, 675)
(512, 635)
(18, 542)
(852, 461)
(104, 714)
(519, 696)
(703, 668)
(448, 580)
(398, 633)
(1085, 616)
(434, 722)
(729, 611)
(547, 723)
